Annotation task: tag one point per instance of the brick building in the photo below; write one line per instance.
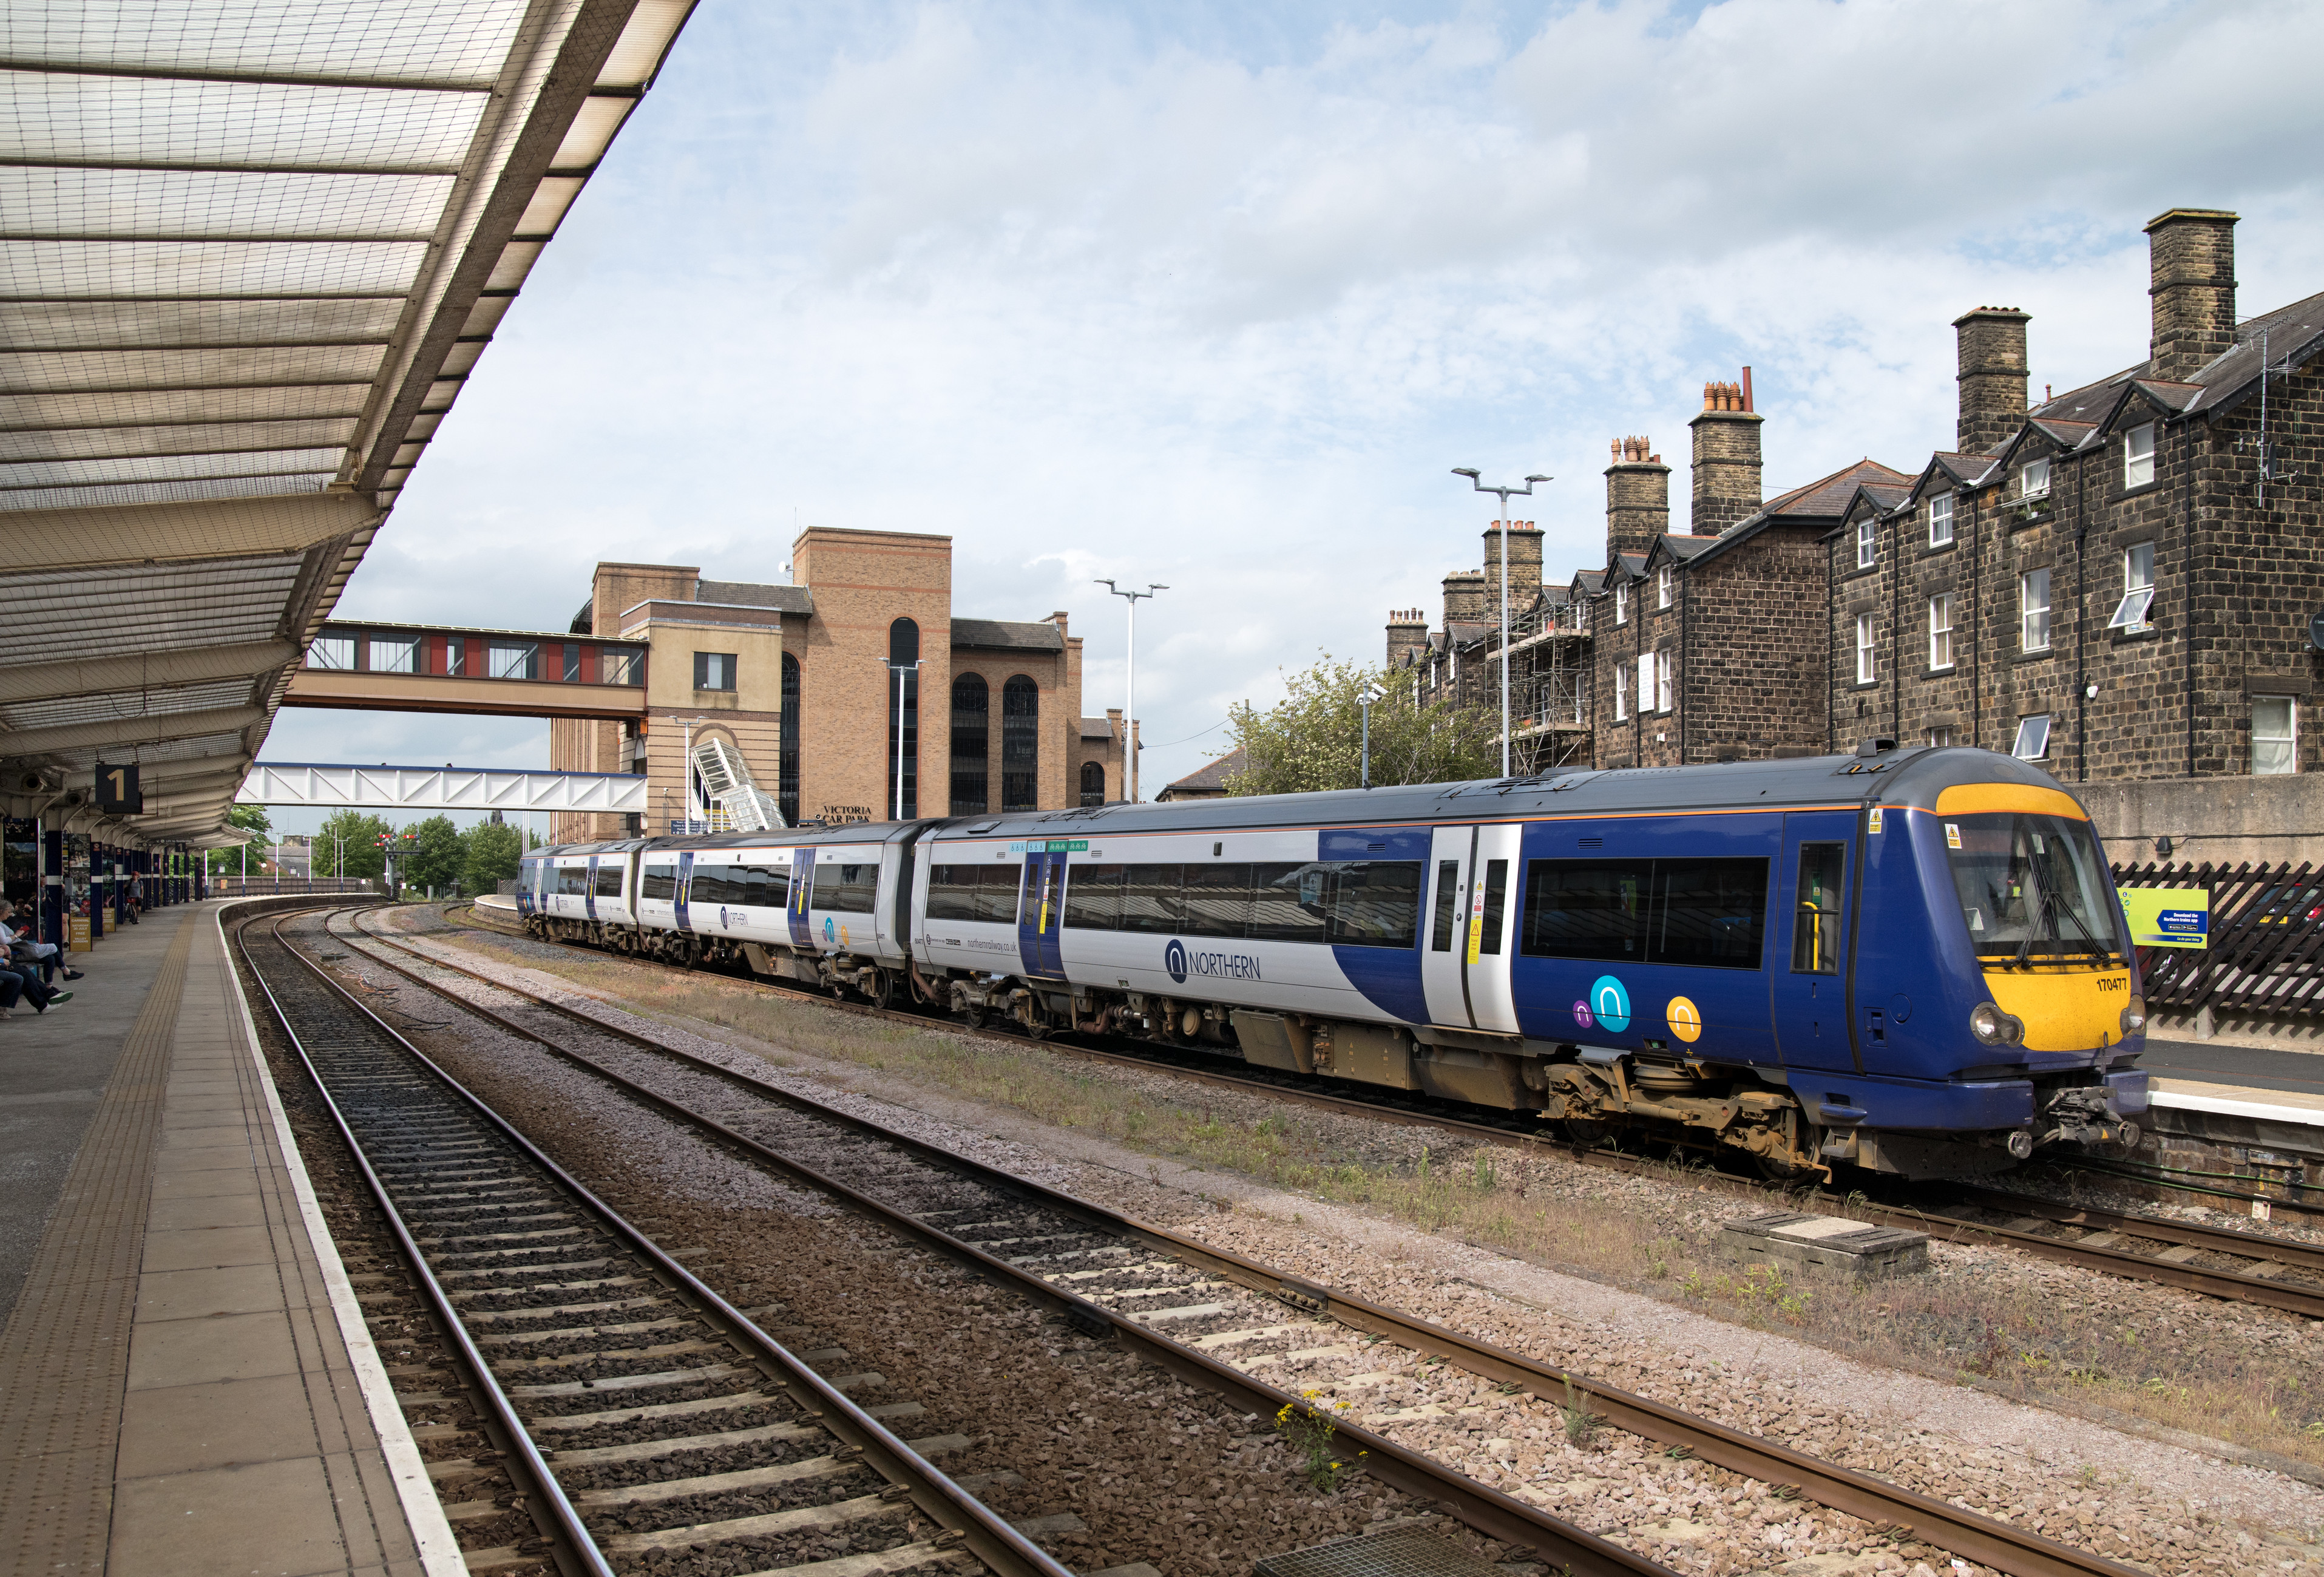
(795, 681)
(2119, 581)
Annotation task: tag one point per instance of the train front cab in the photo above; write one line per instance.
(2030, 1023)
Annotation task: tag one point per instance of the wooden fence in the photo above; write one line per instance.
(2266, 953)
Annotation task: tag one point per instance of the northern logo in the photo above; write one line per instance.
(1609, 1000)
(1232, 965)
(830, 931)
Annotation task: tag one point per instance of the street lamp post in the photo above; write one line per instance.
(1372, 692)
(900, 669)
(1506, 493)
(1130, 703)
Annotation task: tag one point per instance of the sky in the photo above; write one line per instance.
(1215, 296)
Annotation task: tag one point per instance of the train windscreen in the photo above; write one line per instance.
(2032, 886)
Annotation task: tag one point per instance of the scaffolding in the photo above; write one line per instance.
(1549, 659)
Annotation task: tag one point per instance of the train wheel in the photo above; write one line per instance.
(883, 993)
(972, 1017)
(1588, 1130)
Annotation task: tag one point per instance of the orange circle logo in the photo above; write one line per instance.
(1685, 1018)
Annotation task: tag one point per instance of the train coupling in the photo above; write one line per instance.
(2082, 1114)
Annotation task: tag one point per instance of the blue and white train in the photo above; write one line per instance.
(1910, 961)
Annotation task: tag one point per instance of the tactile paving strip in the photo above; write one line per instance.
(64, 1358)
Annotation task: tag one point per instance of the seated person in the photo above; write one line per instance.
(17, 963)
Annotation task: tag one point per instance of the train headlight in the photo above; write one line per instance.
(1994, 1027)
(2133, 1017)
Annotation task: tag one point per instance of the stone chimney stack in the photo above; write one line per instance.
(1408, 631)
(1524, 566)
(1464, 598)
(1638, 497)
(1991, 342)
(2192, 280)
(1726, 457)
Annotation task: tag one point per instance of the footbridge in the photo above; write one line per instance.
(335, 787)
(490, 673)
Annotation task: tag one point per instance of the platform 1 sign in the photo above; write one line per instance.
(2168, 917)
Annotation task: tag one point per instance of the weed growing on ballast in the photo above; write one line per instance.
(1310, 1427)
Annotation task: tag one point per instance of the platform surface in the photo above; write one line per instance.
(2246, 1067)
(183, 1397)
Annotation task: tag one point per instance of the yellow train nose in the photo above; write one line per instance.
(2064, 1007)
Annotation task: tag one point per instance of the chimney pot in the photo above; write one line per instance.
(1726, 460)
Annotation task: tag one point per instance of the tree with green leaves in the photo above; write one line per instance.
(1313, 739)
(250, 819)
(437, 856)
(492, 850)
(362, 854)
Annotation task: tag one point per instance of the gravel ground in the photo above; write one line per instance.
(2161, 1506)
(1159, 1472)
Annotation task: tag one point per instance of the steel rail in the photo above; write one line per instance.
(985, 1534)
(575, 1548)
(2226, 1285)
(1974, 1537)
(1487, 1510)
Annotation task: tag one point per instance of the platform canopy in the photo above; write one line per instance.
(250, 252)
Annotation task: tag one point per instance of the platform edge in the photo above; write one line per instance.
(423, 1510)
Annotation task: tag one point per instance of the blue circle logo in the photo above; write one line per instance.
(1174, 959)
(828, 934)
(1610, 1002)
(722, 917)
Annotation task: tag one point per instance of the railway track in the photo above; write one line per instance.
(606, 1375)
(1107, 1273)
(2239, 1266)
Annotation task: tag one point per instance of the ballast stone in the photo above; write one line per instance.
(1824, 1242)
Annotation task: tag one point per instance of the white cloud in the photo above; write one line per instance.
(1220, 307)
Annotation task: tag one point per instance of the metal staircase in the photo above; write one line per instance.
(727, 777)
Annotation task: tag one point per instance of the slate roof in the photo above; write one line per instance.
(744, 594)
(1097, 728)
(1206, 781)
(1006, 635)
(1833, 495)
(2293, 333)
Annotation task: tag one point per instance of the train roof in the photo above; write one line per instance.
(1912, 776)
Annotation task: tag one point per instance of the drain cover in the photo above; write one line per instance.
(1406, 1551)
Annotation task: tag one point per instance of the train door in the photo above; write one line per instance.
(685, 880)
(1464, 963)
(1808, 987)
(801, 906)
(589, 889)
(1040, 914)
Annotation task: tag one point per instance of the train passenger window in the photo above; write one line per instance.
(572, 881)
(951, 891)
(1704, 914)
(1447, 918)
(1497, 896)
(1586, 908)
(763, 885)
(708, 884)
(996, 894)
(1816, 937)
(659, 882)
(1094, 897)
(1286, 902)
(1373, 903)
(609, 881)
(1217, 899)
(1150, 902)
(1709, 913)
(846, 888)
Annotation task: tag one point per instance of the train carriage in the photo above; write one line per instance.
(1910, 961)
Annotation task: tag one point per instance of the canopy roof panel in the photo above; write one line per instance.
(250, 251)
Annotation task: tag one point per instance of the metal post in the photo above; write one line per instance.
(899, 671)
(1130, 703)
(1505, 493)
(1372, 692)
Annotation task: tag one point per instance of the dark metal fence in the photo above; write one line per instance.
(272, 886)
(2266, 953)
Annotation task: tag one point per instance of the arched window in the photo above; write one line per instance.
(904, 720)
(787, 759)
(1093, 783)
(971, 733)
(1021, 744)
